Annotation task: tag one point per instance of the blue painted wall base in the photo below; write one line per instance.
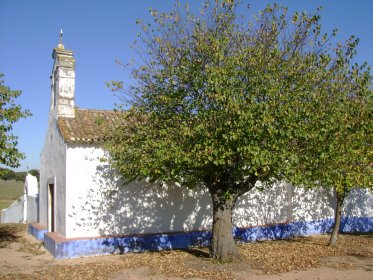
(37, 231)
(62, 248)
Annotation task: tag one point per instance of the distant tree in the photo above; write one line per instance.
(7, 174)
(10, 112)
(20, 176)
(35, 172)
(223, 103)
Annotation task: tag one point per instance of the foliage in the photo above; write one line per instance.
(10, 113)
(21, 176)
(340, 157)
(7, 174)
(343, 151)
(36, 173)
(340, 154)
(223, 103)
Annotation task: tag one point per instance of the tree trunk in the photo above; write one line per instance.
(222, 243)
(337, 219)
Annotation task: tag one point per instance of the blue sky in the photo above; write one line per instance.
(100, 31)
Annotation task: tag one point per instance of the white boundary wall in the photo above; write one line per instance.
(24, 209)
(14, 213)
(97, 204)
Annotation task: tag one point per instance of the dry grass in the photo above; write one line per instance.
(10, 233)
(31, 248)
(10, 190)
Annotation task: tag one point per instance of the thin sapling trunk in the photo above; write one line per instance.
(337, 218)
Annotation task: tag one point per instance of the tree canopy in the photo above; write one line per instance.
(7, 174)
(223, 102)
(340, 156)
(10, 112)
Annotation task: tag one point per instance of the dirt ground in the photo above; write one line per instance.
(22, 257)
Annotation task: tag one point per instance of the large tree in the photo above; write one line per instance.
(10, 112)
(224, 103)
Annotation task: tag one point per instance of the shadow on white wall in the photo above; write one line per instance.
(115, 208)
(139, 207)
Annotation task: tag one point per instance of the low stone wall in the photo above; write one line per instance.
(25, 208)
(14, 213)
(21, 212)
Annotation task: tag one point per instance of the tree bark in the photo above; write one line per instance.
(223, 246)
(337, 219)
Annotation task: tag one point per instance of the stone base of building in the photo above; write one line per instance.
(63, 248)
(38, 231)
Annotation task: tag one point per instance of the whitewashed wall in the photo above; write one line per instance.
(99, 205)
(23, 209)
(96, 204)
(359, 203)
(312, 204)
(284, 203)
(31, 198)
(263, 205)
(32, 209)
(53, 170)
(14, 213)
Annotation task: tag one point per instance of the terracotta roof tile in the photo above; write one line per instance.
(88, 126)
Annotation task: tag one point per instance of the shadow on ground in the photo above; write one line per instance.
(10, 233)
(199, 253)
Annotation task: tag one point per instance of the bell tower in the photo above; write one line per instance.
(63, 82)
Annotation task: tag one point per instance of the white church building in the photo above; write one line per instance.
(85, 210)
